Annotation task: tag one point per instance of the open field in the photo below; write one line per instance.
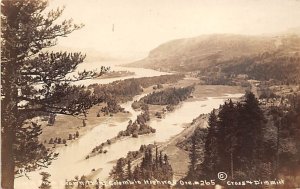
(65, 125)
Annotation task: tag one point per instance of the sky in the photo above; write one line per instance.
(131, 28)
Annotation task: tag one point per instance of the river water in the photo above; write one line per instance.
(71, 161)
(115, 66)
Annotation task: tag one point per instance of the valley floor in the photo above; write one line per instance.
(65, 125)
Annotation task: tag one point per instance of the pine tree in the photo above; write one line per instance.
(193, 159)
(227, 137)
(137, 173)
(249, 137)
(51, 119)
(45, 181)
(129, 172)
(156, 157)
(26, 29)
(160, 159)
(211, 156)
(166, 160)
(118, 171)
(51, 141)
(232, 136)
(150, 157)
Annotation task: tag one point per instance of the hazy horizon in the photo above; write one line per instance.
(131, 28)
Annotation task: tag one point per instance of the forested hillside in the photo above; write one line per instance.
(220, 58)
(248, 141)
(282, 65)
(195, 53)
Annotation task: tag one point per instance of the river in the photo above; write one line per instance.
(71, 161)
(115, 66)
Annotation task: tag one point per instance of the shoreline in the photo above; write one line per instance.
(116, 74)
(69, 123)
(72, 124)
(66, 124)
(180, 166)
(201, 93)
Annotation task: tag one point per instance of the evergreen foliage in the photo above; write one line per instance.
(139, 126)
(124, 90)
(45, 181)
(170, 96)
(241, 142)
(35, 82)
(150, 168)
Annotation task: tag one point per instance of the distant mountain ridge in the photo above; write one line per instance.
(208, 50)
(196, 53)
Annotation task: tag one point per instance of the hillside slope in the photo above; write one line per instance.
(196, 53)
(220, 58)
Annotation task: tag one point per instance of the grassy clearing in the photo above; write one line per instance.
(65, 125)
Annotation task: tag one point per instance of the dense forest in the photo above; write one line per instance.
(248, 141)
(170, 96)
(284, 69)
(153, 167)
(125, 90)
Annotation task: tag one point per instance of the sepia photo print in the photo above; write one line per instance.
(134, 94)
